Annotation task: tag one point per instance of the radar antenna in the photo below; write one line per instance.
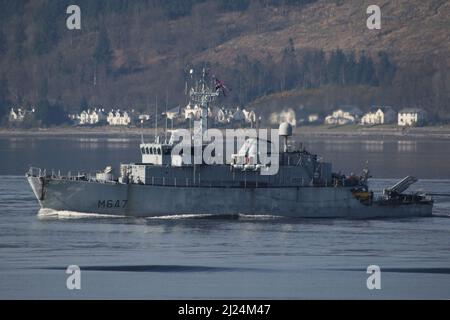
(202, 95)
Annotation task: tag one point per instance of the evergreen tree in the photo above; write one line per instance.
(177, 8)
(360, 72)
(4, 93)
(289, 67)
(370, 75)
(42, 91)
(84, 104)
(312, 71)
(320, 67)
(103, 52)
(351, 69)
(336, 66)
(305, 70)
(3, 43)
(365, 71)
(234, 5)
(47, 18)
(19, 42)
(48, 114)
(385, 70)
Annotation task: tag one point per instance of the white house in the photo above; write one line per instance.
(379, 115)
(20, 114)
(313, 118)
(344, 115)
(192, 112)
(144, 117)
(222, 116)
(16, 116)
(84, 117)
(250, 116)
(288, 115)
(239, 115)
(173, 113)
(97, 116)
(119, 118)
(412, 117)
(219, 114)
(91, 117)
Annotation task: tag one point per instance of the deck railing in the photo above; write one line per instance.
(56, 175)
(172, 181)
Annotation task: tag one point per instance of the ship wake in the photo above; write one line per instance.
(63, 214)
(242, 217)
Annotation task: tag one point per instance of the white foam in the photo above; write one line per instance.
(259, 217)
(181, 216)
(441, 215)
(206, 216)
(63, 214)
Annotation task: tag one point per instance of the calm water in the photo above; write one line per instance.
(248, 257)
(388, 158)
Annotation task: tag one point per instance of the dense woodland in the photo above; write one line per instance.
(130, 52)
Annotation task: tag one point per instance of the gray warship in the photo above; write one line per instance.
(168, 183)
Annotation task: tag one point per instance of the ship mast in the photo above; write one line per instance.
(202, 95)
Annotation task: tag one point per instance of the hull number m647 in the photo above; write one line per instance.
(112, 204)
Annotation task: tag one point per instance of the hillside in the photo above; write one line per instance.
(317, 53)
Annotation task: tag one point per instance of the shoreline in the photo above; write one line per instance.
(352, 131)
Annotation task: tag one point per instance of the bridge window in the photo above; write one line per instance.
(159, 150)
(150, 151)
(154, 150)
(143, 150)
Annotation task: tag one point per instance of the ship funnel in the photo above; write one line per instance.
(285, 131)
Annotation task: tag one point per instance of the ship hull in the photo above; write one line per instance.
(150, 201)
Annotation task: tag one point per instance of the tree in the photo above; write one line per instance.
(3, 43)
(42, 91)
(289, 67)
(313, 72)
(84, 104)
(177, 8)
(46, 35)
(19, 40)
(336, 67)
(103, 53)
(385, 69)
(234, 5)
(351, 69)
(365, 71)
(49, 114)
(4, 93)
(370, 77)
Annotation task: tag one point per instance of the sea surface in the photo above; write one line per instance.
(267, 257)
